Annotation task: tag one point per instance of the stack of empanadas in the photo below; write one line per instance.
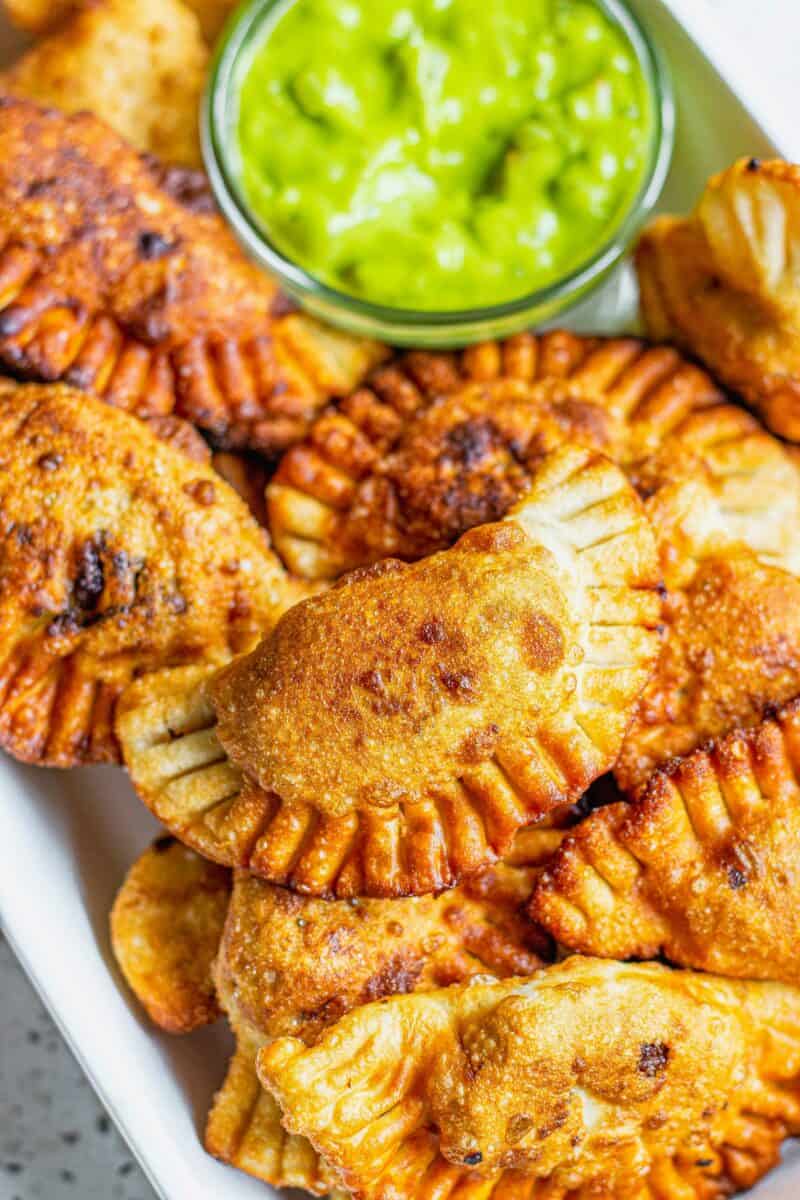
(505, 704)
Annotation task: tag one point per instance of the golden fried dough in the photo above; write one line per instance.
(41, 16)
(108, 282)
(166, 926)
(140, 65)
(37, 16)
(244, 1129)
(437, 443)
(702, 867)
(724, 499)
(395, 470)
(119, 555)
(432, 709)
(292, 964)
(594, 1078)
(732, 650)
(723, 284)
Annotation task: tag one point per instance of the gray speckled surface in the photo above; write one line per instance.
(56, 1141)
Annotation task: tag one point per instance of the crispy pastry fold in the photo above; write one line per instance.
(590, 1078)
(435, 708)
(723, 283)
(166, 926)
(437, 443)
(109, 283)
(702, 867)
(118, 555)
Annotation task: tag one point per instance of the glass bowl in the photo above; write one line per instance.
(407, 327)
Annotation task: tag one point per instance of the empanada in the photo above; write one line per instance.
(118, 555)
(703, 867)
(140, 65)
(166, 926)
(724, 284)
(292, 965)
(396, 471)
(244, 1129)
(395, 733)
(588, 1079)
(109, 283)
(437, 443)
(295, 964)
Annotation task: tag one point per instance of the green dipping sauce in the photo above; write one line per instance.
(442, 154)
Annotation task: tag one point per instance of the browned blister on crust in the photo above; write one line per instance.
(437, 443)
(110, 283)
(166, 926)
(722, 283)
(701, 867)
(118, 555)
(395, 733)
(526, 1087)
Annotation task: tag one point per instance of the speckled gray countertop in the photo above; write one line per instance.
(56, 1141)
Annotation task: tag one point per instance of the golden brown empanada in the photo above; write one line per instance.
(437, 443)
(702, 867)
(166, 926)
(394, 470)
(292, 964)
(588, 1079)
(395, 733)
(724, 499)
(140, 65)
(109, 283)
(723, 283)
(289, 964)
(118, 555)
(244, 1129)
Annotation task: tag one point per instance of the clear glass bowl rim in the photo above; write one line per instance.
(245, 25)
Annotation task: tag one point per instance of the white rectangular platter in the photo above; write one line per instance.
(68, 838)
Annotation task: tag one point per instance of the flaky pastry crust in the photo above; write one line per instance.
(118, 555)
(588, 1079)
(292, 964)
(295, 964)
(245, 1130)
(437, 443)
(464, 697)
(166, 926)
(723, 284)
(109, 283)
(139, 65)
(702, 867)
(396, 470)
